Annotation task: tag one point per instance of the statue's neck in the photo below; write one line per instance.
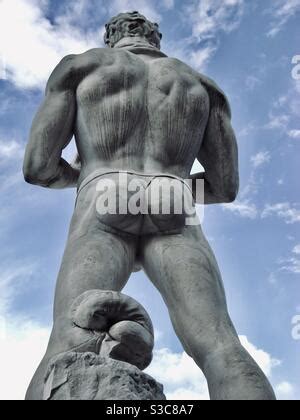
(138, 45)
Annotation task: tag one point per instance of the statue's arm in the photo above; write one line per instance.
(52, 131)
(219, 152)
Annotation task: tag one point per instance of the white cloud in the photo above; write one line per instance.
(250, 189)
(281, 101)
(10, 182)
(294, 134)
(272, 279)
(284, 390)
(296, 250)
(182, 378)
(284, 110)
(212, 16)
(168, 4)
(282, 11)
(10, 149)
(243, 209)
(279, 121)
(260, 159)
(22, 341)
(252, 82)
(208, 18)
(80, 13)
(188, 51)
(32, 46)
(244, 206)
(12, 281)
(284, 211)
(200, 58)
(292, 264)
(23, 345)
(11, 156)
(249, 128)
(290, 103)
(158, 335)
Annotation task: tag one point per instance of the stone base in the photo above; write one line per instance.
(87, 376)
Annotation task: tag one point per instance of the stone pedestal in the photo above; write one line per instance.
(87, 376)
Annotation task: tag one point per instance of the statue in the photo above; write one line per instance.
(134, 111)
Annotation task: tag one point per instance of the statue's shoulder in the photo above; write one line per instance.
(73, 67)
(77, 62)
(216, 94)
(209, 84)
(95, 54)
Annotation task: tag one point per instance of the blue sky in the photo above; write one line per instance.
(247, 47)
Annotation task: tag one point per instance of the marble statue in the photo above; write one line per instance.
(135, 111)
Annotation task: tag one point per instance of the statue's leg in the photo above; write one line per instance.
(93, 260)
(186, 273)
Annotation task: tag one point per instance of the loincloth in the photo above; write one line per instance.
(132, 203)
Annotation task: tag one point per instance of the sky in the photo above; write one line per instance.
(249, 48)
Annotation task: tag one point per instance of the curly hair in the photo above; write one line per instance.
(114, 29)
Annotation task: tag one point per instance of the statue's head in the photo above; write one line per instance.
(131, 25)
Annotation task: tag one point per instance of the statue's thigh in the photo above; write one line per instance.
(93, 259)
(185, 271)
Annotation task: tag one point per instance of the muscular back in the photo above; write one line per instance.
(140, 110)
(133, 108)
